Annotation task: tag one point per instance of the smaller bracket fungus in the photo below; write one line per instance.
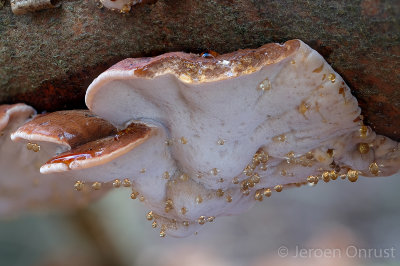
(200, 137)
(20, 7)
(123, 6)
(22, 187)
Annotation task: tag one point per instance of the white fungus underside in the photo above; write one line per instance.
(214, 129)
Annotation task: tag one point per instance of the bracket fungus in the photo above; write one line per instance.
(22, 187)
(200, 137)
(123, 6)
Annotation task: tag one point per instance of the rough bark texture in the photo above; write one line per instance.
(48, 58)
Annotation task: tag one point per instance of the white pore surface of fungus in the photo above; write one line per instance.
(224, 132)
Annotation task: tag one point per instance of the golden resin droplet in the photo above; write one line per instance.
(352, 175)
(134, 195)
(169, 205)
(96, 185)
(184, 177)
(279, 138)
(202, 220)
(117, 183)
(293, 62)
(33, 147)
(265, 85)
(363, 148)
(125, 9)
(228, 198)
(141, 198)
(126, 182)
(332, 77)
(143, 171)
(149, 215)
(326, 177)
(183, 210)
(267, 192)
(185, 223)
(303, 108)
(235, 180)
(162, 233)
(363, 131)
(258, 196)
(221, 142)
(333, 175)
(211, 219)
(154, 224)
(278, 188)
(199, 199)
(79, 185)
(311, 179)
(220, 193)
(166, 175)
(374, 168)
(183, 140)
(214, 171)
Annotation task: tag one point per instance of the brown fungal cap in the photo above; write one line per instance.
(68, 128)
(100, 151)
(195, 68)
(17, 111)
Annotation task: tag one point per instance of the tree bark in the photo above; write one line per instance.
(48, 58)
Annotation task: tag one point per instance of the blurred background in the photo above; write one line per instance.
(346, 219)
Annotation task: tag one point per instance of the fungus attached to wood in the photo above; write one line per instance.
(200, 137)
(22, 187)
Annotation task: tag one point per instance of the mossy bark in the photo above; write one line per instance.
(48, 58)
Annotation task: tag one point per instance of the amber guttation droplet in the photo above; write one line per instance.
(303, 108)
(202, 220)
(374, 168)
(352, 175)
(363, 131)
(199, 199)
(332, 77)
(278, 188)
(149, 215)
(183, 210)
(126, 182)
(184, 177)
(265, 85)
(117, 183)
(79, 185)
(185, 223)
(162, 233)
(166, 175)
(221, 142)
(363, 148)
(96, 185)
(220, 192)
(267, 192)
(228, 198)
(33, 147)
(154, 224)
(134, 195)
(183, 140)
(326, 177)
